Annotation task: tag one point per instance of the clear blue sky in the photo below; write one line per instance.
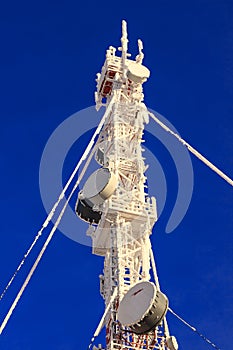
(50, 53)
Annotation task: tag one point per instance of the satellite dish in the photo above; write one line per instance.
(142, 308)
(86, 213)
(99, 187)
(137, 72)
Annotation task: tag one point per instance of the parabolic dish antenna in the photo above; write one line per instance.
(142, 308)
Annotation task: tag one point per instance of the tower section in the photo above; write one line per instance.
(120, 213)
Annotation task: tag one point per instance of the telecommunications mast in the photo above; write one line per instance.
(120, 213)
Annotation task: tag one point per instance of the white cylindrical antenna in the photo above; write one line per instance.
(140, 56)
(124, 42)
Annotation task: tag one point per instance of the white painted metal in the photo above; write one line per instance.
(136, 303)
(171, 343)
(128, 216)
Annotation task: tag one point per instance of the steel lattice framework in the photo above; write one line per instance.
(122, 235)
(120, 213)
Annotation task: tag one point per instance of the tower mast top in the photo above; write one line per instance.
(121, 73)
(124, 43)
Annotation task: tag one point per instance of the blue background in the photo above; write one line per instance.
(50, 53)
